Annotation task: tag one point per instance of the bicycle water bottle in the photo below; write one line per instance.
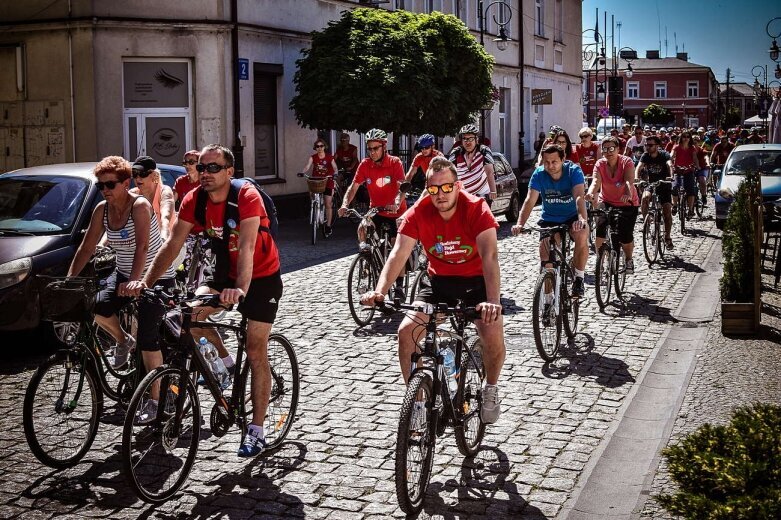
(449, 364)
(212, 357)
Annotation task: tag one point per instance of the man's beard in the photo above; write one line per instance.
(448, 208)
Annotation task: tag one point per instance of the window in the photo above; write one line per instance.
(692, 89)
(539, 17)
(558, 60)
(599, 88)
(660, 89)
(633, 89)
(265, 118)
(539, 55)
(559, 21)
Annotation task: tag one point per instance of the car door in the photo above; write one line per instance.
(502, 173)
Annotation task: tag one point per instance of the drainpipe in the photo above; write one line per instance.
(238, 149)
(70, 78)
(521, 133)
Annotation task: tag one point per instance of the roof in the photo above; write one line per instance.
(83, 169)
(742, 88)
(655, 63)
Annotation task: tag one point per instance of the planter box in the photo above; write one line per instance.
(738, 318)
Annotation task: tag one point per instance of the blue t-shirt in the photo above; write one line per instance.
(558, 204)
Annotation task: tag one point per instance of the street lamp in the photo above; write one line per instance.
(501, 42)
(773, 50)
(760, 91)
(593, 58)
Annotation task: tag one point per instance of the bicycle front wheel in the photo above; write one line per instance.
(660, 240)
(157, 456)
(315, 219)
(682, 208)
(651, 237)
(619, 271)
(283, 399)
(415, 443)
(545, 317)
(603, 277)
(419, 278)
(359, 281)
(570, 305)
(469, 434)
(61, 410)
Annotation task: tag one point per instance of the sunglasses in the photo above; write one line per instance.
(608, 149)
(143, 174)
(427, 147)
(374, 148)
(211, 167)
(469, 139)
(561, 143)
(446, 188)
(585, 137)
(189, 162)
(319, 146)
(108, 184)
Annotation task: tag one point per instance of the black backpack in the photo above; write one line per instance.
(232, 213)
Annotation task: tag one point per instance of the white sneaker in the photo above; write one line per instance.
(121, 351)
(147, 413)
(490, 408)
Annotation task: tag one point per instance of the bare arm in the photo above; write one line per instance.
(142, 221)
(578, 192)
(640, 171)
(596, 186)
(248, 235)
(629, 180)
(489, 255)
(491, 177)
(528, 205)
(166, 212)
(94, 233)
(168, 252)
(308, 165)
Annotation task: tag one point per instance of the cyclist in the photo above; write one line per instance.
(588, 152)
(458, 233)
(664, 139)
(614, 180)
(475, 164)
(561, 138)
(754, 138)
(704, 170)
(323, 164)
(685, 165)
(561, 185)
(132, 230)
(638, 139)
(417, 171)
(247, 267)
(655, 166)
(150, 185)
(346, 155)
(190, 180)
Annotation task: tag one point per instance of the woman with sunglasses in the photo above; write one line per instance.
(148, 182)
(323, 165)
(132, 230)
(588, 153)
(685, 165)
(562, 140)
(190, 180)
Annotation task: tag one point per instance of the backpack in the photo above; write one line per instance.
(232, 214)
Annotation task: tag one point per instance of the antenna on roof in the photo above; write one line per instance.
(665, 41)
(675, 37)
(619, 24)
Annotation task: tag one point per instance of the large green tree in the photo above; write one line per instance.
(399, 71)
(656, 114)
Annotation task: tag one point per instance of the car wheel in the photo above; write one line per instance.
(514, 209)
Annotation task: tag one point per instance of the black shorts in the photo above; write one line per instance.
(449, 289)
(689, 181)
(150, 314)
(664, 192)
(380, 220)
(262, 299)
(626, 223)
(547, 224)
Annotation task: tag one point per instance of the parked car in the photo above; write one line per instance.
(44, 214)
(508, 198)
(764, 158)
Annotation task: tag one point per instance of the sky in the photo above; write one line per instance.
(717, 34)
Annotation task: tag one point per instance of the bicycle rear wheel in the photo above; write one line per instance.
(651, 237)
(419, 278)
(315, 219)
(682, 208)
(603, 277)
(570, 305)
(157, 457)
(661, 242)
(469, 433)
(283, 399)
(415, 443)
(61, 410)
(545, 317)
(359, 281)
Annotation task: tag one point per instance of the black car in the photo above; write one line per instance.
(44, 214)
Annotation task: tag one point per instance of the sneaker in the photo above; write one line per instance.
(547, 312)
(147, 413)
(121, 351)
(327, 230)
(490, 410)
(630, 267)
(578, 288)
(231, 370)
(669, 244)
(252, 445)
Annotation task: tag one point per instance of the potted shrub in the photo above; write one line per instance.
(738, 250)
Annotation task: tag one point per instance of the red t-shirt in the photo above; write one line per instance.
(573, 155)
(587, 156)
(182, 186)
(422, 161)
(382, 181)
(451, 246)
(345, 157)
(683, 156)
(722, 151)
(250, 205)
(323, 168)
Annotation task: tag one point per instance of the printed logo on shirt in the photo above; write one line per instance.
(383, 181)
(451, 251)
(556, 197)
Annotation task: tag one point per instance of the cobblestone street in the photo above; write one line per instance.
(337, 462)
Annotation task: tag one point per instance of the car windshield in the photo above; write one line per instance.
(40, 204)
(767, 162)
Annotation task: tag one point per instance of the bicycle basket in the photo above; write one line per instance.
(66, 299)
(316, 185)
(104, 262)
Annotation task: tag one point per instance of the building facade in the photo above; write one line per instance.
(739, 95)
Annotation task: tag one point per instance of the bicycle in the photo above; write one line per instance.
(682, 209)
(317, 187)
(198, 265)
(429, 404)
(157, 457)
(554, 304)
(64, 398)
(611, 262)
(654, 245)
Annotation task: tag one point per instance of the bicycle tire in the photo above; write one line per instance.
(547, 332)
(699, 207)
(468, 400)
(660, 240)
(360, 278)
(415, 447)
(682, 208)
(570, 304)
(651, 237)
(415, 289)
(603, 278)
(150, 452)
(315, 219)
(619, 272)
(283, 399)
(40, 406)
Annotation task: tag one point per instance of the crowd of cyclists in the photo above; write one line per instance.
(148, 228)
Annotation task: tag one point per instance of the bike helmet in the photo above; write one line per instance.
(468, 129)
(375, 134)
(425, 140)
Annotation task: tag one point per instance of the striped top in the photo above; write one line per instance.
(123, 241)
(471, 168)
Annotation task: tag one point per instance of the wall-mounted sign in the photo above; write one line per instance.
(156, 84)
(243, 69)
(542, 96)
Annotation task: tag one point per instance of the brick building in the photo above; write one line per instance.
(688, 90)
(742, 96)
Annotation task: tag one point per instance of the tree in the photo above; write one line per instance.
(396, 70)
(732, 117)
(656, 114)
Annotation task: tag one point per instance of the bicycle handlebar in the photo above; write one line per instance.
(178, 298)
(431, 309)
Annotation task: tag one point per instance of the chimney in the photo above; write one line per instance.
(683, 56)
(652, 55)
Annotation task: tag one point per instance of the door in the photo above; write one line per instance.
(163, 137)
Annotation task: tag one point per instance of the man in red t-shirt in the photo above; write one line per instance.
(346, 154)
(417, 171)
(190, 180)
(253, 273)
(458, 234)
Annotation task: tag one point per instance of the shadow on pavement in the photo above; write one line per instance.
(484, 477)
(637, 305)
(677, 262)
(578, 358)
